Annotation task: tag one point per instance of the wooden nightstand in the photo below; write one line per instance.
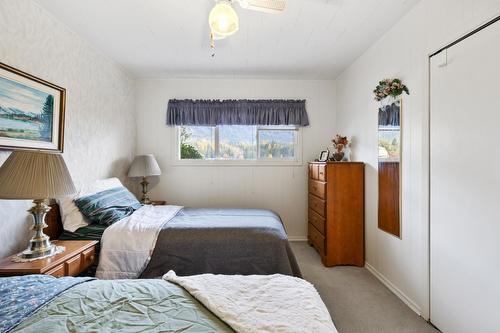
(78, 256)
(158, 202)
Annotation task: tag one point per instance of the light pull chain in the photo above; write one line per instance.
(212, 45)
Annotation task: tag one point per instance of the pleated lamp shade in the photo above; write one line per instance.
(144, 166)
(35, 175)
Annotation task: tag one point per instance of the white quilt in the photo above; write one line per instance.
(127, 245)
(260, 303)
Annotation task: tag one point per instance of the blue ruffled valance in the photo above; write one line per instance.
(237, 112)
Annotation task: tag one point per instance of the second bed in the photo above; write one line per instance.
(197, 241)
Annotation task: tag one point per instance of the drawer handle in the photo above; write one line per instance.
(91, 258)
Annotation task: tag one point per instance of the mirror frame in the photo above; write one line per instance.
(390, 217)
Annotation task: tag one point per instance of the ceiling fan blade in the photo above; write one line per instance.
(268, 6)
(326, 2)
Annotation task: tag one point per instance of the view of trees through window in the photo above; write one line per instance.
(235, 142)
(389, 143)
(276, 144)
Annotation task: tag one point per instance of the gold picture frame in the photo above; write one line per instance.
(32, 112)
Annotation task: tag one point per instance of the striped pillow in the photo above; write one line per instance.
(109, 206)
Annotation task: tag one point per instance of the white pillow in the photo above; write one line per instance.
(71, 216)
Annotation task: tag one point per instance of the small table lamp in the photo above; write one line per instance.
(39, 176)
(144, 166)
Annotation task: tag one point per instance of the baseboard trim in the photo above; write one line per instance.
(411, 304)
(297, 239)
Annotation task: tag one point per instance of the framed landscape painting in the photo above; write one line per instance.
(31, 112)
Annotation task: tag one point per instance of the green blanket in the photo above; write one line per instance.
(123, 306)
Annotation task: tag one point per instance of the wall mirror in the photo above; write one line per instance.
(389, 167)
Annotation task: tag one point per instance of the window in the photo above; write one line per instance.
(197, 143)
(276, 144)
(238, 143)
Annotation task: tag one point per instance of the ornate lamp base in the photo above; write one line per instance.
(39, 253)
(40, 245)
(145, 198)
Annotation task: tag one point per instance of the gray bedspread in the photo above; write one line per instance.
(223, 241)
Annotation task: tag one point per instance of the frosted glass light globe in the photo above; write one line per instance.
(223, 20)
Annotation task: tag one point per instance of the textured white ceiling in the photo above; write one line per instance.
(170, 38)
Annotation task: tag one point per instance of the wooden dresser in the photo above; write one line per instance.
(336, 212)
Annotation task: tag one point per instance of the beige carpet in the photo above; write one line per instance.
(357, 301)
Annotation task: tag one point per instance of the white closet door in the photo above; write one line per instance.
(465, 185)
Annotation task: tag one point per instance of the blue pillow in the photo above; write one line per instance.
(109, 206)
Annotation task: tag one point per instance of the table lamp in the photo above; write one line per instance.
(38, 176)
(144, 166)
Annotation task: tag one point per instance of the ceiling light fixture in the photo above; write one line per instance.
(223, 20)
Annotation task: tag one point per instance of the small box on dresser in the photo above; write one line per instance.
(336, 212)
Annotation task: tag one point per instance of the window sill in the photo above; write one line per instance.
(235, 163)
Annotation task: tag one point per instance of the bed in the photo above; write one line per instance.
(197, 241)
(41, 303)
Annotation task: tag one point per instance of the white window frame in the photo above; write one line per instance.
(297, 160)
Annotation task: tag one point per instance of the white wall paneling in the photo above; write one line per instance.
(403, 52)
(100, 115)
(279, 188)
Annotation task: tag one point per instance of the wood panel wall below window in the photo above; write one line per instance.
(336, 212)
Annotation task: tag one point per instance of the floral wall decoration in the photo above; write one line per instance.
(390, 87)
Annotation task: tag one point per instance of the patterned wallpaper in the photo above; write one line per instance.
(100, 132)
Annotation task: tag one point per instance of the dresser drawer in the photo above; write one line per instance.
(317, 188)
(316, 204)
(317, 220)
(313, 171)
(322, 172)
(57, 271)
(88, 258)
(317, 239)
(73, 266)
